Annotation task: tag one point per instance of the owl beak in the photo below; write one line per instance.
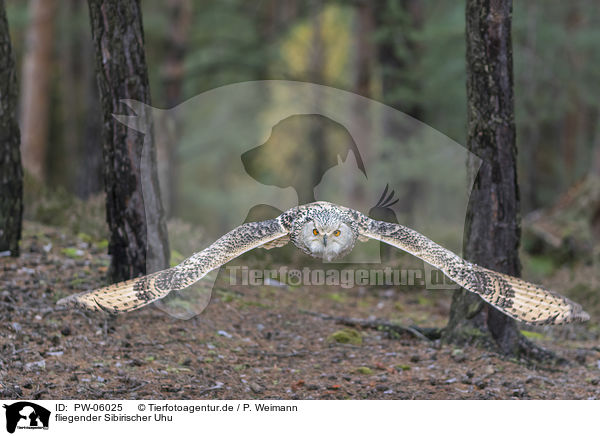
(325, 240)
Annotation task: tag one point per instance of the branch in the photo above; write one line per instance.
(426, 334)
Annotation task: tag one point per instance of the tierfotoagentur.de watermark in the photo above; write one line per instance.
(345, 278)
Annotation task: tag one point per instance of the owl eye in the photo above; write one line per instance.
(315, 232)
(336, 233)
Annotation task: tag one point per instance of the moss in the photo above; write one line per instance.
(364, 370)
(473, 309)
(227, 296)
(475, 332)
(424, 301)
(84, 237)
(399, 307)
(336, 296)
(176, 258)
(402, 367)
(532, 335)
(346, 336)
(72, 252)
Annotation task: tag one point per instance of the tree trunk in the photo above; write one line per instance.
(77, 133)
(121, 72)
(11, 179)
(364, 24)
(36, 86)
(316, 75)
(89, 174)
(492, 227)
(167, 135)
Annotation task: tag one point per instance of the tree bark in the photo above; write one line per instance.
(36, 86)
(11, 172)
(121, 72)
(89, 174)
(492, 227)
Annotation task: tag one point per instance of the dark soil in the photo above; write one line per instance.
(254, 343)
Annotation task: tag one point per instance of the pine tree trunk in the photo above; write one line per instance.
(35, 105)
(89, 172)
(121, 73)
(11, 172)
(492, 227)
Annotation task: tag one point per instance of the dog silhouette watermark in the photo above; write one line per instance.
(26, 415)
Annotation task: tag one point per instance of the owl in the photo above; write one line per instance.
(328, 231)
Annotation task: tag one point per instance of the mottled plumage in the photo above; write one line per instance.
(324, 222)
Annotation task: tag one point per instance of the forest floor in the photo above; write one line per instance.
(258, 342)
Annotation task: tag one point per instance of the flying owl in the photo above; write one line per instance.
(328, 231)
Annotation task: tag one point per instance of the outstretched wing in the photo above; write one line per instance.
(517, 298)
(135, 293)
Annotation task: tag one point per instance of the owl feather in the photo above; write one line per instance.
(513, 296)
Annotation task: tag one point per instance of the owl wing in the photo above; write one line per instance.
(516, 298)
(132, 294)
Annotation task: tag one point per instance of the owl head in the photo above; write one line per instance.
(326, 235)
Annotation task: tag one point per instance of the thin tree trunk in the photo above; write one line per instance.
(492, 227)
(529, 132)
(180, 15)
(36, 86)
(167, 133)
(364, 24)
(122, 74)
(89, 174)
(316, 75)
(576, 113)
(11, 172)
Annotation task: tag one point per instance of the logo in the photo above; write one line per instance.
(26, 415)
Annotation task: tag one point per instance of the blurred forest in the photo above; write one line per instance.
(193, 47)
